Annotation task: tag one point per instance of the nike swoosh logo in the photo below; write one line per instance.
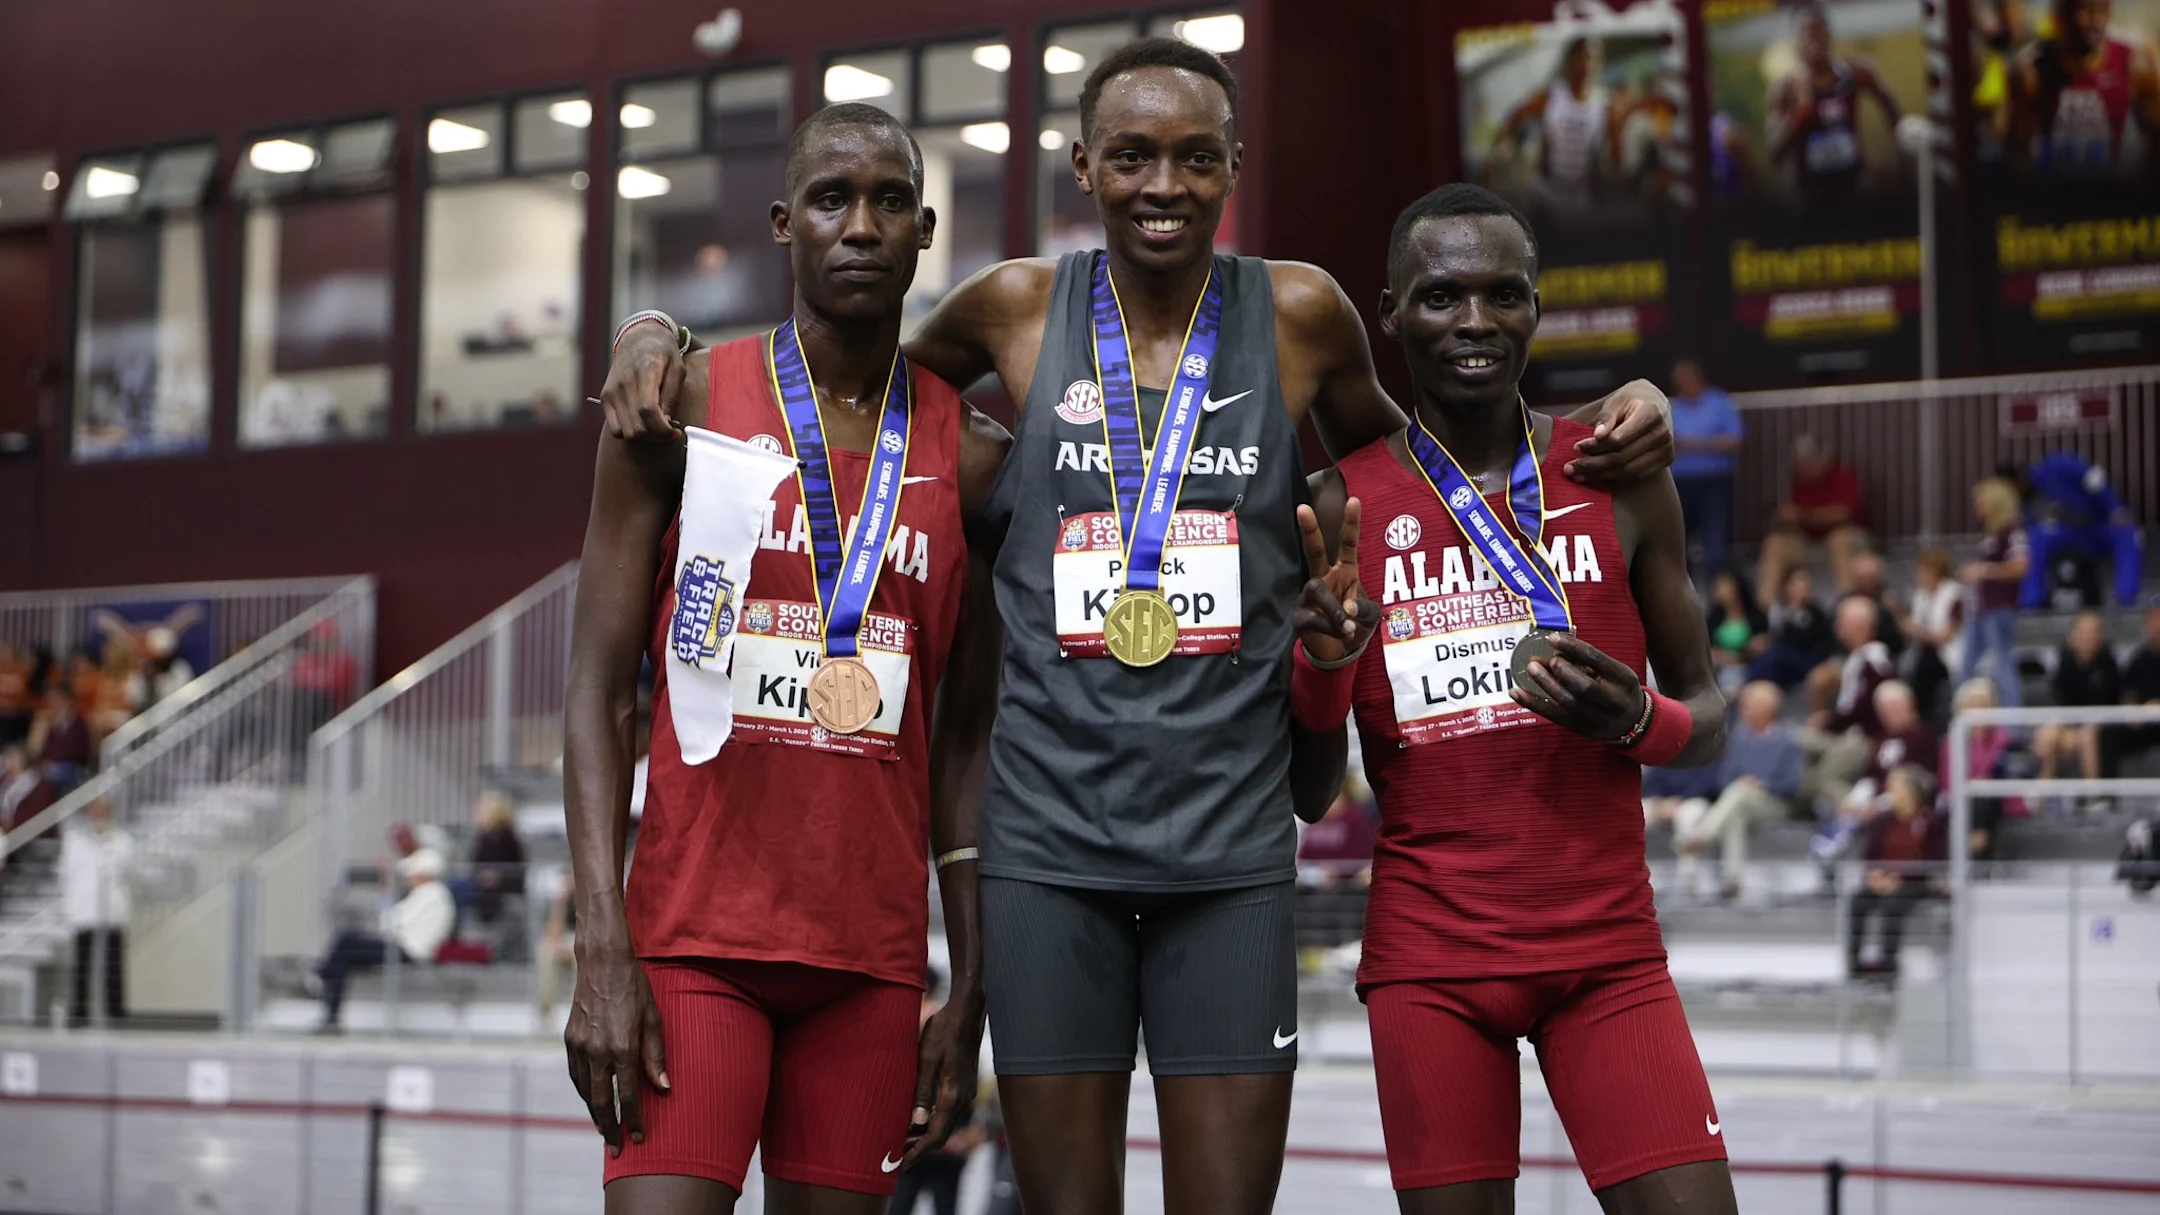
(920, 480)
(889, 1165)
(1559, 511)
(1710, 1124)
(1209, 404)
(1281, 1041)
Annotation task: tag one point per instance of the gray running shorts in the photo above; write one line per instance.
(1072, 976)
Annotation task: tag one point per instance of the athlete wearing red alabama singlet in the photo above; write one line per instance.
(2074, 96)
(757, 984)
(1509, 896)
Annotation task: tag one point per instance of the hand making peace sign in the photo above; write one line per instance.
(1333, 617)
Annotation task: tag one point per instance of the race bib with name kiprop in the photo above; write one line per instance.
(1198, 575)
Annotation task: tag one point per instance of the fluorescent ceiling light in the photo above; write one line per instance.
(638, 117)
(846, 82)
(575, 112)
(1223, 34)
(996, 56)
(450, 135)
(1062, 61)
(283, 156)
(989, 136)
(52, 179)
(101, 182)
(634, 182)
(1052, 139)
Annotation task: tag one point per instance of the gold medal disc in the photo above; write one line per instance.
(1140, 628)
(844, 695)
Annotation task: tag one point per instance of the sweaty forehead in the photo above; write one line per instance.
(1163, 101)
(1465, 248)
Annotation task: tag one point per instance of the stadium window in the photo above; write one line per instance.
(502, 239)
(961, 125)
(693, 233)
(317, 268)
(881, 78)
(142, 320)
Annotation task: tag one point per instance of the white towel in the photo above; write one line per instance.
(726, 485)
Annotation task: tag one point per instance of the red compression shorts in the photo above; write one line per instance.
(814, 1066)
(1613, 1044)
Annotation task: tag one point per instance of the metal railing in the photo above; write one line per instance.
(422, 747)
(1919, 446)
(200, 777)
(235, 613)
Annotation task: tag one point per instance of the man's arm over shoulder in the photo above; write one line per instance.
(1325, 360)
(962, 337)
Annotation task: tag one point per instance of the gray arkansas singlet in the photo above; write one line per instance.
(1173, 777)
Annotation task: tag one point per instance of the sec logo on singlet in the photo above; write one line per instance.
(1399, 624)
(1075, 537)
(1403, 532)
(1462, 497)
(1196, 366)
(765, 443)
(1082, 405)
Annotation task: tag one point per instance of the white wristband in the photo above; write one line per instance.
(636, 318)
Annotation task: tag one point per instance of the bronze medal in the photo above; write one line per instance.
(1140, 628)
(1538, 645)
(844, 695)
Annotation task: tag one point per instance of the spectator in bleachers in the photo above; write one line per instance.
(17, 705)
(1988, 752)
(96, 856)
(1994, 579)
(1897, 739)
(1739, 631)
(1936, 624)
(23, 791)
(416, 926)
(60, 739)
(2141, 686)
(164, 667)
(1706, 430)
(558, 946)
(1868, 582)
(498, 859)
(1339, 848)
(122, 690)
(1760, 775)
(1840, 737)
(86, 679)
(1800, 636)
(1901, 848)
(2075, 515)
(1823, 506)
(324, 675)
(2085, 676)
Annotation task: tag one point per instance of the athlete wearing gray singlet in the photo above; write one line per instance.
(1136, 834)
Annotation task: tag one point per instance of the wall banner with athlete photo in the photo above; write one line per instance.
(1582, 121)
(1815, 107)
(2066, 139)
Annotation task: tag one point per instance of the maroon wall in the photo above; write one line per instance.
(451, 525)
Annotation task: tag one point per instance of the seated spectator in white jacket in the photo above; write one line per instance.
(416, 926)
(96, 856)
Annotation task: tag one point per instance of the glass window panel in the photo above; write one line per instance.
(1219, 30)
(105, 186)
(142, 340)
(693, 237)
(1068, 54)
(276, 164)
(659, 119)
(964, 179)
(749, 108)
(178, 178)
(551, 131)
(965, 80)
(879, 77)
(316, 306)
(28, 189)
(465, 143)
(1065, 220)
(499, 303)
(357, 154)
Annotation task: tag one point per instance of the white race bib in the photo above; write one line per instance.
(1200, 578)
(777, 650)
(1832, 151)
(1447, 663)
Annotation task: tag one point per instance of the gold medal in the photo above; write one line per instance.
(843, 695)
(1140, 628)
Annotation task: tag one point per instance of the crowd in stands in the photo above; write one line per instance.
(55, 714)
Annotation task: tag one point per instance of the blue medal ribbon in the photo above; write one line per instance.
(1521, 567)
(846, 573)
(1146, 481)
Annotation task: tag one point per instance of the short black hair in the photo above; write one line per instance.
(1457, 198)
(1154, 52)
(849, 114)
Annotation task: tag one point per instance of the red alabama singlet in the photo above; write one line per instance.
(779, 849)
(1508, 845)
